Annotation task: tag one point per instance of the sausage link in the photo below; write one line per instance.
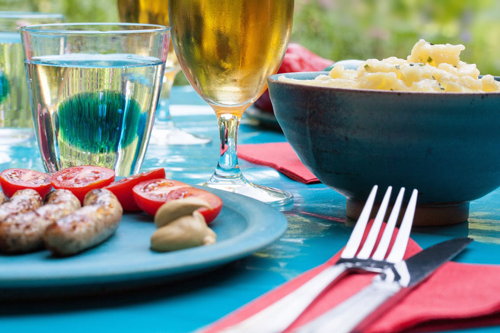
(24, 232)
(21, 202)
(86, 227)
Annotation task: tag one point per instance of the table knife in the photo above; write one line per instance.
(386, 290)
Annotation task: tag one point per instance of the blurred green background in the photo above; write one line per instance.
(347, 29)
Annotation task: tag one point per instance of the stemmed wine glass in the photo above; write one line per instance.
(227, 49)
(165, 132)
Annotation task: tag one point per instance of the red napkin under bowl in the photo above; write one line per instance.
(455, 296)
(279, 156)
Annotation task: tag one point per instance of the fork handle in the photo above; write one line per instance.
(278, 316)
(354, 314)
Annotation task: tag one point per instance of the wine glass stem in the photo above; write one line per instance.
(163, 114)
(228, 167)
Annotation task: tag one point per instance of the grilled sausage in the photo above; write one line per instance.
(2, 198)
(86, 227)
(24, 232)
(22, 201)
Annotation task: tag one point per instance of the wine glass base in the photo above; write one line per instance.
(14, 136)
(268, 195)
(174, 136)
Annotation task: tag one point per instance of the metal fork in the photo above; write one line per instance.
(281, 314)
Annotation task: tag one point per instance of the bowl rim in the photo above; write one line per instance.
(274, 79)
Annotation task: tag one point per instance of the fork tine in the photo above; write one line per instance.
(367, 249)
(359, 229)
(383, 245)
(399, 247)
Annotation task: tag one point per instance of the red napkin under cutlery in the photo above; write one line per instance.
(456, 296)
(279, 156)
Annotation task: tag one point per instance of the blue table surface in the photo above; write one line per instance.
(316, 232)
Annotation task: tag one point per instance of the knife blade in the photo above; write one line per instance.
(386, 290)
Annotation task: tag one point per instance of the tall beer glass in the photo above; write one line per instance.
(227, 49)
(165, 132)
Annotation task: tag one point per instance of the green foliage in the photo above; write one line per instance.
(361, 29)
(82, 10)
(73, 10)
(346, 29)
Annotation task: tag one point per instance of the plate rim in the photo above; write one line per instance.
(272, 227)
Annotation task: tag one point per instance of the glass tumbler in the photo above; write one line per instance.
(16, 124)
(94, 90)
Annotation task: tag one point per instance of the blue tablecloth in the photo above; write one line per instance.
(316, 232)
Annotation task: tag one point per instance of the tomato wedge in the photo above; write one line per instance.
(13, 180)
(214, 201)
(123, 188)
(81, 179)
(151, 194)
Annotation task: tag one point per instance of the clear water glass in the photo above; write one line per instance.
(16, 123)
(94, 90)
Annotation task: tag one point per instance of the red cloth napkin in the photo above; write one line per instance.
(455, 296)
(279, 156)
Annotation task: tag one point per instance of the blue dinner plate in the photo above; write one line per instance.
(243, 227)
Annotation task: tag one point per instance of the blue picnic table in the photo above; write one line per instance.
(316, 231)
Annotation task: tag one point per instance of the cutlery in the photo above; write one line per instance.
(281, 314)
(386, 290)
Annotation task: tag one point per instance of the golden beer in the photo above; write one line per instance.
(228, 48)
(152, 12)
(165, 131)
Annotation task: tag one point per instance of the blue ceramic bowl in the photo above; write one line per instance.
(445, 145)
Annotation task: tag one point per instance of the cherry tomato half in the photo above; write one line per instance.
(13, 180)
(81, 179)
(123, 188)
(214, 201)
(151, 194)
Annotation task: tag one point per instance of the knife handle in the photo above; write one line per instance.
(281, 314)
(356, 312)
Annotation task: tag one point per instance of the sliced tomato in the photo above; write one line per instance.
(13, 180)
(81, 179)
(151, 194)
(214, 201)
(123, 188)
